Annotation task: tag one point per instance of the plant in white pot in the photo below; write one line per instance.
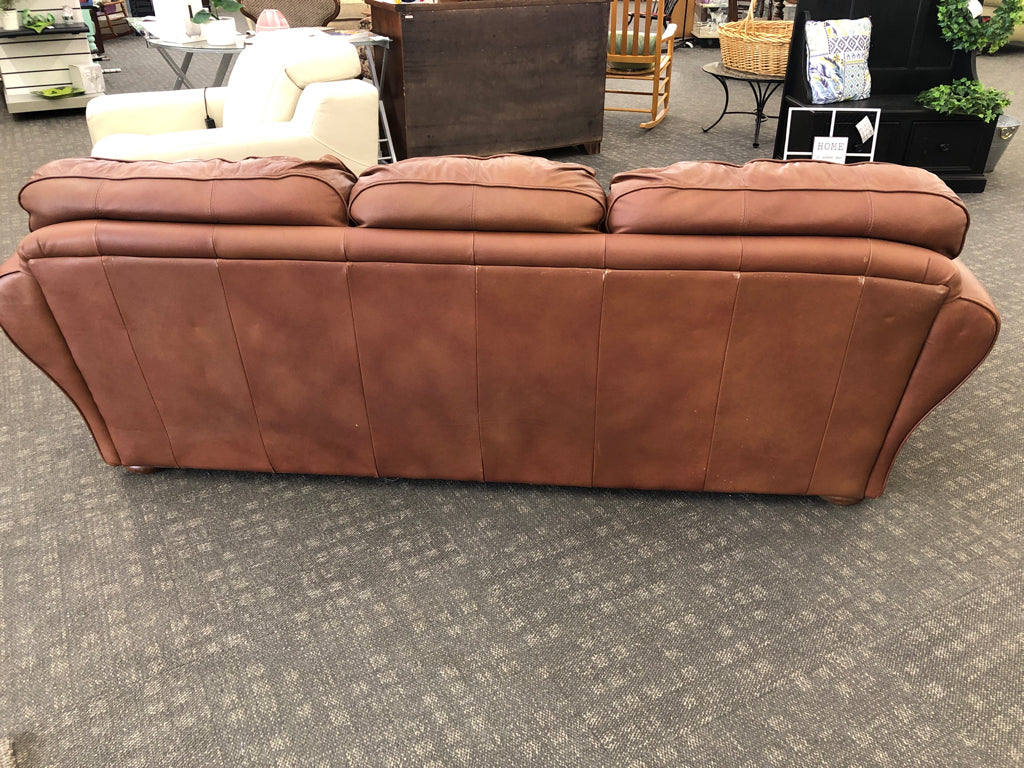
(10, 15)
(217, 29)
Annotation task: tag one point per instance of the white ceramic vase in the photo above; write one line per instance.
(219, 32)
(11, 21)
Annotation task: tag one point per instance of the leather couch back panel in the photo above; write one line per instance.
(296, 339)
(184, 340)
(538, 332)
(494, 248)
(525, 374)
(527, 249)
(416, 335)
(662, 335)
(267, 190)
(800, 255)
(167, 240)
(769, 197)
(406, 246)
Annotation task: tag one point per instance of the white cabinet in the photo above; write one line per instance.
(31, 61)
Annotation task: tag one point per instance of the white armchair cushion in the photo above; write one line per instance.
(269, 76)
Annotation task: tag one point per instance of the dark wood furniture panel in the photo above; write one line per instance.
(488, 76)
(908, 55)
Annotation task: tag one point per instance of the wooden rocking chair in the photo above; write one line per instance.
(640, 44)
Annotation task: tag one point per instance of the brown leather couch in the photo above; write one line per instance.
(772, 328)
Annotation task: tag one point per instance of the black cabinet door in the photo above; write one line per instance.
(960, 145)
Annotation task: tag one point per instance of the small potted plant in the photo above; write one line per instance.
(10, 15)
(217, 29)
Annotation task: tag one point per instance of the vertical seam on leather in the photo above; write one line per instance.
(476, 359)
(862, 171)
(241, 362)
(359, 365)
(597, 376)
(472, 199)
(209, 204)
(721, 376)
(138, 363)
(839, 378)
(95, 203)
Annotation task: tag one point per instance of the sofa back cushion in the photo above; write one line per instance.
(804, 197)
(503, 193)
(269, 76)
(265, 190)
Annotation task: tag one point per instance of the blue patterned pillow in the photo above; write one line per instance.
(837, 59)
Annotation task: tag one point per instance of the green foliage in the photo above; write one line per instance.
(965, 97)
(7, 5)
(228, 6)
(37, 21)
(967, 33)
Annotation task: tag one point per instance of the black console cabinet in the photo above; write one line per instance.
(908, 55)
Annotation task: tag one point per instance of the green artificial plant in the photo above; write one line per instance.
(984, 35)
(972, 34)
(37, 21)
(965, 97)
(216, 8)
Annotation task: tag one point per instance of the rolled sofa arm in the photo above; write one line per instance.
(153, 113)
(28, 322)
(963, 334)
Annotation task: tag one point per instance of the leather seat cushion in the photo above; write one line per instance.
(774, 197)
(264, 190)
(503, 193)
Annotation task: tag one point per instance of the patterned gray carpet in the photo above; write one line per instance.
(216, 619)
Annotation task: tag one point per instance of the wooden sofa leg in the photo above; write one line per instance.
(142, 470)
(843, 501)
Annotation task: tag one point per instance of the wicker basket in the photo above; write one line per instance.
(755, 45)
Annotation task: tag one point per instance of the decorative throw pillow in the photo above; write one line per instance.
(837, 59)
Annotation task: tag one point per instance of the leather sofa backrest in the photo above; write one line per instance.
(269, 76)
(267, 190)
(805, 198)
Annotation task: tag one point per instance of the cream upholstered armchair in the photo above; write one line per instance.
(292, 92)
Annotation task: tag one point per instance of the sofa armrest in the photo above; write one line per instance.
(26, 319)
(153, 113)
(963, 334)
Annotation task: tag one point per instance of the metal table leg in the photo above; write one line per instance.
(179, 71)
(222, 69)
(725, 87)
(762, 92)
(386, 147)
